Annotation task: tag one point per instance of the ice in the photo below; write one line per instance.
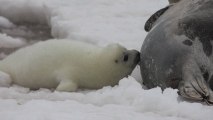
(128, 100)
(99, 22)
(5, 23)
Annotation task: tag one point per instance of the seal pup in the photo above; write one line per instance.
(67, 65)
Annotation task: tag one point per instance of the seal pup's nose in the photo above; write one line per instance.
(137, 57)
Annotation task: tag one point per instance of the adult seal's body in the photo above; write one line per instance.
(177, 51)
(67, 65)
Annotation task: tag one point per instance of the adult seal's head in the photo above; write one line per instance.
(177, 51)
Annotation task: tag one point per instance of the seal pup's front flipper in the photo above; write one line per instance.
(67, 85)
(5, 79)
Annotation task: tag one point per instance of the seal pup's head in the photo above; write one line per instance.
(120, 61)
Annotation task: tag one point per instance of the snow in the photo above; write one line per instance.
(5, 23)
(125, 101)
(99, 22)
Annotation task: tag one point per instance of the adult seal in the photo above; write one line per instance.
(177, 52)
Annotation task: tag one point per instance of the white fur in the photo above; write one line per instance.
(5, 79)
(67, 65)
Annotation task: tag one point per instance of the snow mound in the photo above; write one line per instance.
(23, 19)
(22, 23)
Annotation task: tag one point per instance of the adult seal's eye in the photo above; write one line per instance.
(126, 57)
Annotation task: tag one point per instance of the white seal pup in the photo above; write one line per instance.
(67, 65)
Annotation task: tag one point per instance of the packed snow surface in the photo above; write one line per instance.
(99, 22)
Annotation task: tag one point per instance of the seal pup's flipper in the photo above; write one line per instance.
(151, 21)
(5, 79)
(193, 86)
(67, 85)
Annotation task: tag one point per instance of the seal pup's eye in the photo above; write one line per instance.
(126, 57)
